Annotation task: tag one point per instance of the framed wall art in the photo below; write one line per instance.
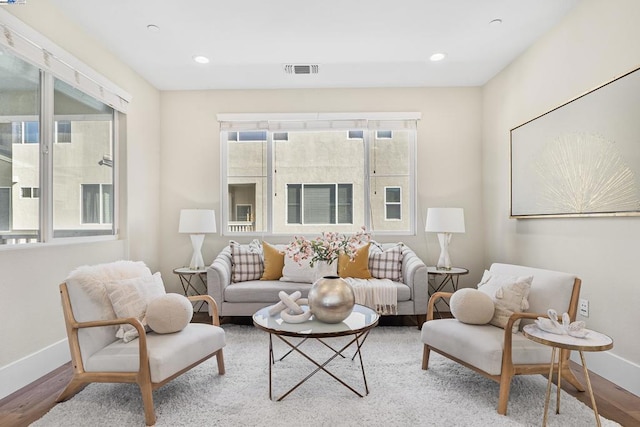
(581, 158)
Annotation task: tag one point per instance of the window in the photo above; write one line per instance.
(319, 204)
(325, 172)
(392, 203)
(63, 131)
(97, 203)
(78, 131)
(29, 192)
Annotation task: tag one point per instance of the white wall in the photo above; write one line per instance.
(31, 321)
(448, 158)
(597, 42)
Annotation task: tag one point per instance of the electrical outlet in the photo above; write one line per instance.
(583, 307)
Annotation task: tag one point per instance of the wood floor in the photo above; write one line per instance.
(33, 401)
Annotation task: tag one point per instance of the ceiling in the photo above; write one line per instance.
(373, 43)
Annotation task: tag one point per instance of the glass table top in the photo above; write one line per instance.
(360, 319)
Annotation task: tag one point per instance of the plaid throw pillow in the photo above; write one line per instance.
(386, 264)
(246, 262)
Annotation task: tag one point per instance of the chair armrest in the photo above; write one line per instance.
(508, 334)
(432, 302)
(213, 307)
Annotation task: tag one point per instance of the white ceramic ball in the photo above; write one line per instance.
(472, 306)
(169, 313)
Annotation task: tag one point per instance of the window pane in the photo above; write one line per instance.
(107, 203)
(63, 131)
(294, 204)
(19, 162)
(319, 204)
(393, 212)
(345, 204)
(31, 132)
(393, 194)
(90, 203)
(26, 192)
(86, 165)
(319, 160)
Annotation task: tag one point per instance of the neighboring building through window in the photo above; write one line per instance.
(68, 115)
(319, 176)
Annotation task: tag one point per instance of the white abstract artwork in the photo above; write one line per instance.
(582, 158)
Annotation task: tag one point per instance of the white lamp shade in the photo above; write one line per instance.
(445, 220)
(197, 221)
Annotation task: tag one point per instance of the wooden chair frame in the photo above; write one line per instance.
(143, 376)
(509, 369)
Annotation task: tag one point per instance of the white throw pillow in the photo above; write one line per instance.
(169, 313)
(130, 297)
(509, 294)
(471, 306)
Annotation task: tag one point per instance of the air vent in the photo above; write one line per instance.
(301, 68)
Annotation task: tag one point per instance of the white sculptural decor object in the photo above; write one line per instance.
(551, 324)
(197, 222)
(445, 221)
(290, 308)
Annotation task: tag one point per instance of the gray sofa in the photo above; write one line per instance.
(245, 298)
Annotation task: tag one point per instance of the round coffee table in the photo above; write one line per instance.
(361, 320)
(593, 341)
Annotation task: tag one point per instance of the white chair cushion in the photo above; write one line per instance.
(168, 353)
(481, 345)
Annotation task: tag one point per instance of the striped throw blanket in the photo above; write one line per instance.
(380, 295)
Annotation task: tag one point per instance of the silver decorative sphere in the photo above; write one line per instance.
(331, 299)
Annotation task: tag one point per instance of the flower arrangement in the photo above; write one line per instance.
(327, 247)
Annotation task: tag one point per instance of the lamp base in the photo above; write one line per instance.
(444, 262)
(197, 263)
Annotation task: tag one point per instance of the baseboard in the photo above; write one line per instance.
(23, 372)
(613, 368)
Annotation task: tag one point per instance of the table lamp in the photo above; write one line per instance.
(445, 221)
(197, 222)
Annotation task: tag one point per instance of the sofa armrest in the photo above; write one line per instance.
(219, 276)
(414, 274)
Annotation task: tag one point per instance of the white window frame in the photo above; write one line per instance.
(53, 61)
(291, 122)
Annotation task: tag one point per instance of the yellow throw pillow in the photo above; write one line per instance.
(273, 262)
(358, 268)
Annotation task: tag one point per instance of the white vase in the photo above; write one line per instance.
(323, 268)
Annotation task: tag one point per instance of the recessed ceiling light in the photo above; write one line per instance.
(153, 28)
(438, 56)
(495, 22)
(201, 59)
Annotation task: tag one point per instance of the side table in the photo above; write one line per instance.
(439, 279)
(594, 341)
(187, 282)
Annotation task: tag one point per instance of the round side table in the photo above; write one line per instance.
(438, 279)
(594, 341)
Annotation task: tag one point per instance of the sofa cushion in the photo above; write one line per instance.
(509, 294)
(273, 262)
(246, 261)
(386, 264)
(358, 267)
(481, 345)
(472, 306)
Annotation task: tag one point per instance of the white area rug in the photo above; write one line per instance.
(401, 393)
